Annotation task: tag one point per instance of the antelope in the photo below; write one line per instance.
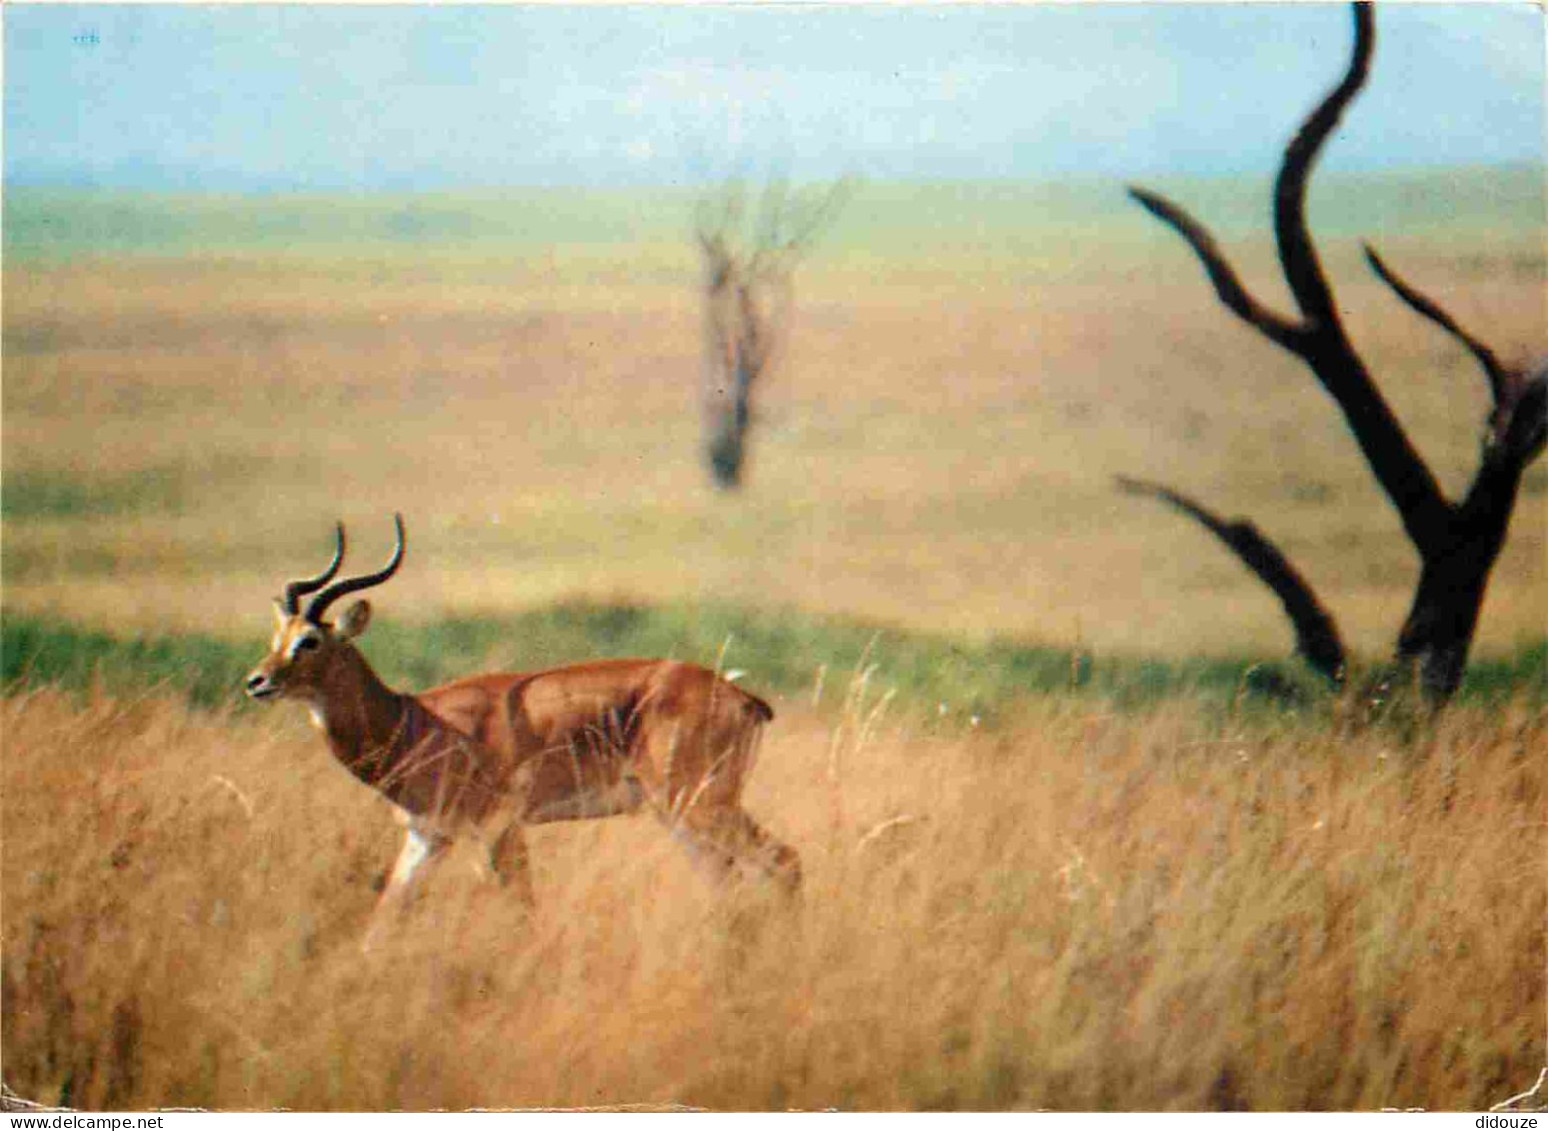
(483, 756)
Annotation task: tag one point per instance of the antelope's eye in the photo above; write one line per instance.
(307, 643)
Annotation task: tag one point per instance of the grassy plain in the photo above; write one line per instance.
(1084, 909)
(1113, 889)
(937, 447)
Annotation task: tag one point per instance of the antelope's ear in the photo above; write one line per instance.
(354, 620)
(280, 615)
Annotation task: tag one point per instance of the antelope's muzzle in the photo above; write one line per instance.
(260, 686)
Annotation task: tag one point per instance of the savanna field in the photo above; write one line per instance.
(1058, 854)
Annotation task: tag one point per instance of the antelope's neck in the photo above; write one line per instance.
(368, 725)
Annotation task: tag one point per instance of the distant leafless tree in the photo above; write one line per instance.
(749, 252)
(1457, 541)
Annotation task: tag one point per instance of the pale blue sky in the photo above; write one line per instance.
(351, 98)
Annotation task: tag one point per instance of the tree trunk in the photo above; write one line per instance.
(728, 412)
(1438, 631)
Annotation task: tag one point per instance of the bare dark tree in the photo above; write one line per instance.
(749, 257)
(1457, 541)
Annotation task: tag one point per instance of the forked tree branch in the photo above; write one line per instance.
(1495, 370)
(1235, 297)
(717, 217)
(1517, 426)
(1316, 635)
(775, 231)
(789, 222)
(1303, 270)
(1318, 337)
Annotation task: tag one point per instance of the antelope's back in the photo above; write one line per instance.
(681, 686)
(498, 707)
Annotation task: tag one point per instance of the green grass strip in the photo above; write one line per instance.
(780, 652)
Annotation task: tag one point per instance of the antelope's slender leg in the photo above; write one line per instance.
(722, 840)
(760, 847)
(420, 848)
(508, 861)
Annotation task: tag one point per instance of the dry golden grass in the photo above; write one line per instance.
(1087, 911)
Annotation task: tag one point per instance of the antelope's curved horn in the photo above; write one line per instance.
(295, 590)
(320, 603)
